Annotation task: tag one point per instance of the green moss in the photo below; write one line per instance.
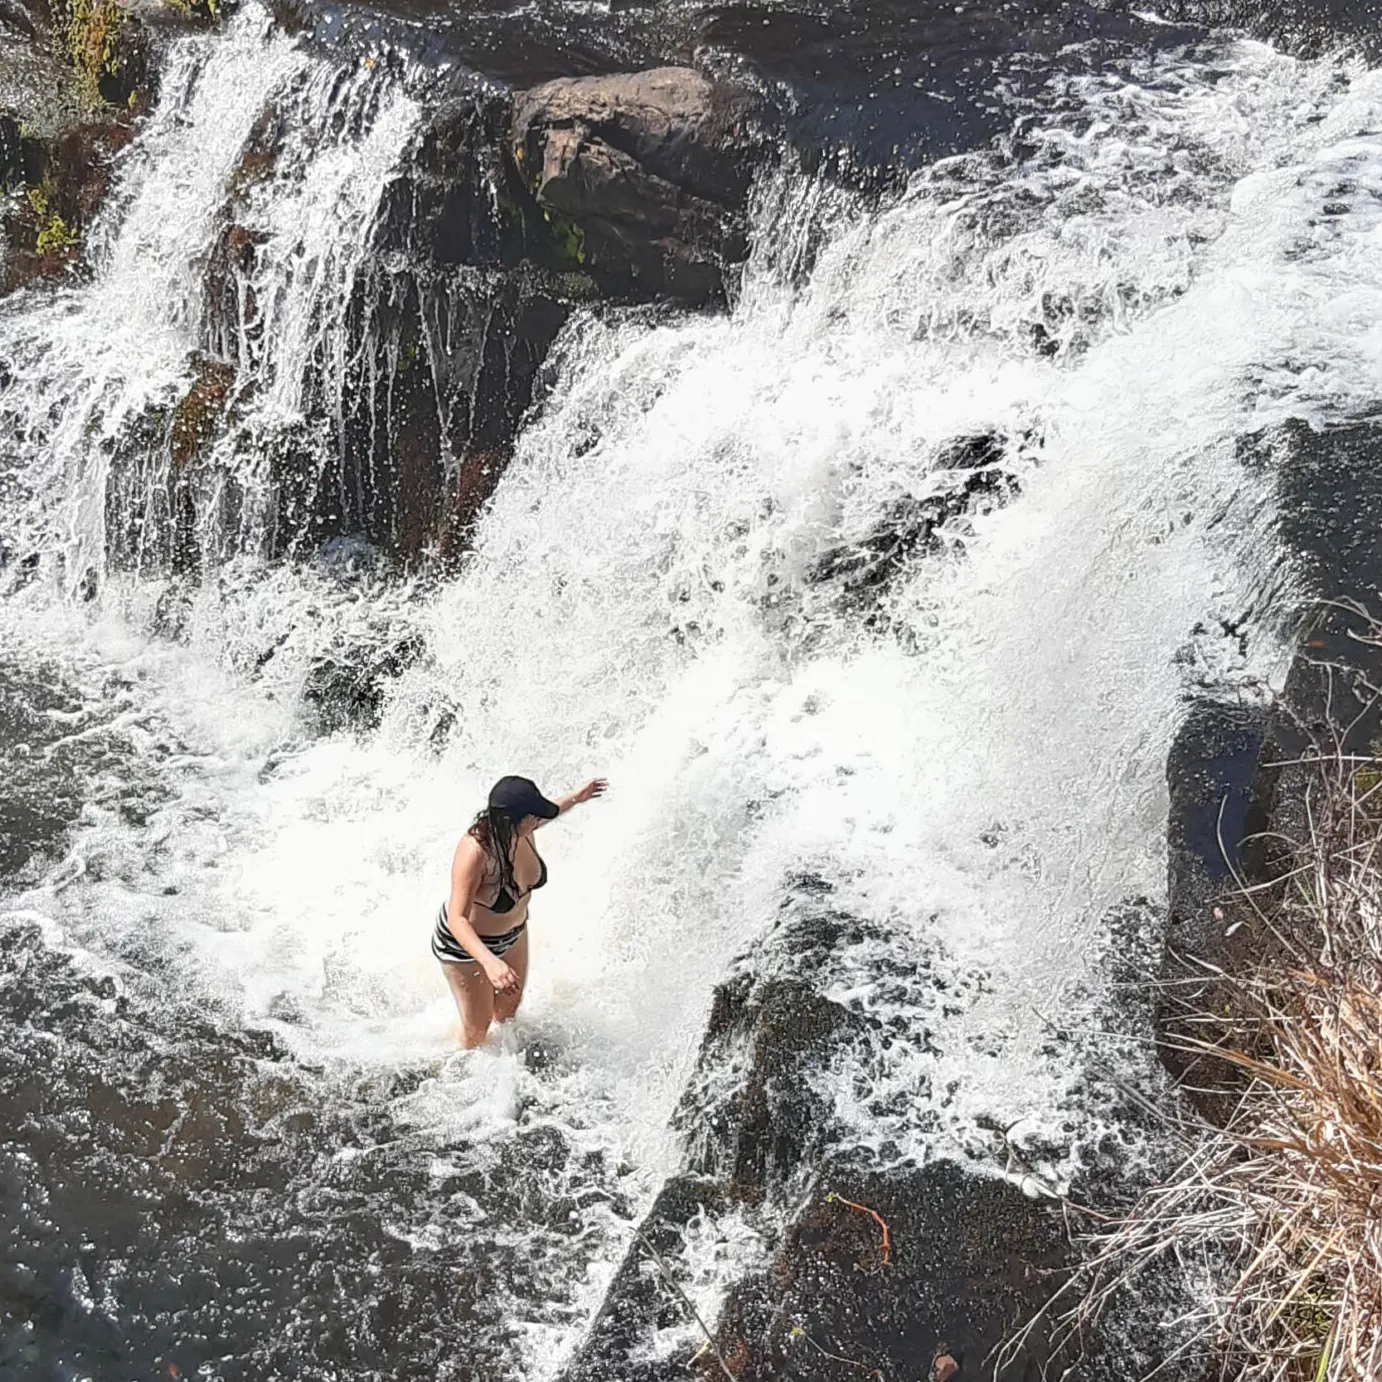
(88, 35)
(56, 237)
(195, 9)
(568, 237)
(41, 197)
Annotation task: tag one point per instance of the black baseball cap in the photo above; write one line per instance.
(516, 797)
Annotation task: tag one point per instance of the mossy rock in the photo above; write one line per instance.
(109, 51)
(197, 419)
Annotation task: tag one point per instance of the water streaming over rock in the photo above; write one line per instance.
(892, 579)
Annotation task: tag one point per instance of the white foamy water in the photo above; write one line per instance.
(973, 758)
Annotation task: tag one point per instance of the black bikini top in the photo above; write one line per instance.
(505, 901)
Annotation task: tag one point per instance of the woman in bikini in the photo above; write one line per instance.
(481, 936)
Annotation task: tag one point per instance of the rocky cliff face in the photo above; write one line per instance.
(74, 80)
(510, 210)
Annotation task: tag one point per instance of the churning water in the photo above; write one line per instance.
(701, 577)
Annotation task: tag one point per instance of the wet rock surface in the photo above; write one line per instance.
(178, 1195)
(1239, 789)
(637, 1300)
(74, 79)
(39, 803)
(646, 173)
(973, 475)
(347, 687)
(968, 1260)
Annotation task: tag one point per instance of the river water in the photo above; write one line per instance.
(236, 1141)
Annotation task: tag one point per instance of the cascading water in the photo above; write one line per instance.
(724, 569)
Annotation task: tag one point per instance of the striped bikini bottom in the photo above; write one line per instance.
(450, 952)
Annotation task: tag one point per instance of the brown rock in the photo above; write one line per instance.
(643, 176)
(198, 417)
(943, 1368)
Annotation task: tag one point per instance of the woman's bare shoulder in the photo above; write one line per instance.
(470, 853)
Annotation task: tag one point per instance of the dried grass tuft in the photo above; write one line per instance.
(1279, 1212)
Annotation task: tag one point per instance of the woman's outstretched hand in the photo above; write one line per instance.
(596, 787)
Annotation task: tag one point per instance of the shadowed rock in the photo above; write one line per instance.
(1239, 787)
(968, 1258)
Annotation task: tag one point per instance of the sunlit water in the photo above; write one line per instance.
(973, 755)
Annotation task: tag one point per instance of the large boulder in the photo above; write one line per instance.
(966, 1261)
(644, 176)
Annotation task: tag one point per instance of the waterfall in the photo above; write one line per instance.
(896, 576)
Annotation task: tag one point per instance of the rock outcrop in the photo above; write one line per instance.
(969, 1256)
(1238, 783)
(644, 177)
(967, 1263)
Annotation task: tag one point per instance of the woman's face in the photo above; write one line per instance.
(526, 826)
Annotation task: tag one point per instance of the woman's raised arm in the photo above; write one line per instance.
(596, 787)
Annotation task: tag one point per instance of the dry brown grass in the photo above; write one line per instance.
(1278, 1214)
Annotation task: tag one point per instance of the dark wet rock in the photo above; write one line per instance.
(347, 687)
(448, 322)
(232, 316)
(177, 1197)
(1306, 27)
(637, 1300)
(65, 179)
(973, 478)
(1239, 773)
(11, 151)
(968, 1262)
(26, 18)
(445, 209)
(1211, 771)
(435, 399)
(776, 1122)
(38, 801)
(75, 77)
(970, 1256)
(162, 475)
(643, 176)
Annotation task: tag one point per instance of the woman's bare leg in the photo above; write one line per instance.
(474, 997)
(516, 957)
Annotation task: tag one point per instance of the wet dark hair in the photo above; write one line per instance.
(495, 833)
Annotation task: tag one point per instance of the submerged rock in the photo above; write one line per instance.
(644, 176)
(637, 1299)
(348, 687)
(975, 477)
